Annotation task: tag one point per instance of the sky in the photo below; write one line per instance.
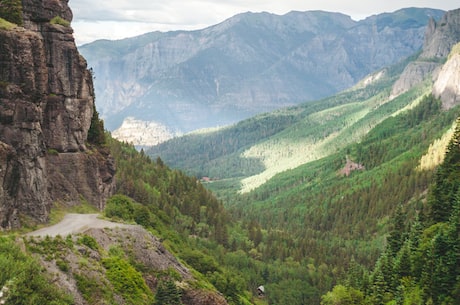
(117, 19)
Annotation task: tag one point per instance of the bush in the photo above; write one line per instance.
(61, 21)
(5, 25)
(127, 281)
(200, 261)
(88, 241)
(121, 207)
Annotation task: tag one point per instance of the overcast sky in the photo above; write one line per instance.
(115, 19)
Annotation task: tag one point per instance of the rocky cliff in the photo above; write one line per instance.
(447, 85)
(46, 106)
(440, 37)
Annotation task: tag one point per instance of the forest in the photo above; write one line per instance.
(388, 234)
(310, 236)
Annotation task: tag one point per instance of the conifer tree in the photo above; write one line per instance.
(167, 294)
(447, 181)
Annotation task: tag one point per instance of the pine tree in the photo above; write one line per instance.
(447, 181)
(167, 294)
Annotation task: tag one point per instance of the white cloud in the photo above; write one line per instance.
(114, 19)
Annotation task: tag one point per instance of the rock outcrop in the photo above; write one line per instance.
(440, 37)
(447, 85)
(46, 106)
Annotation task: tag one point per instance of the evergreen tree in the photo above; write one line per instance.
(96, 134)
(167, 293)
(447, 181)
(397, 233)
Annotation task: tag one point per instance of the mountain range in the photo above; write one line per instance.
(253, 151)
(249, 64)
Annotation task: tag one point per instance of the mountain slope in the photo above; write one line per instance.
(255, 150)
(248, 64)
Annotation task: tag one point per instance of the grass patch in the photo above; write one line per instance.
(61, 21)
(6, 25)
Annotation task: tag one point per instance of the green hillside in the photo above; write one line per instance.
(281, 176)
(251, 152)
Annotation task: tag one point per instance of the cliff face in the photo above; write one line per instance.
(447, 85)
(440, 37)
(46, 106)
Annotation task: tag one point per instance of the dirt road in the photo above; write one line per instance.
(76, 223)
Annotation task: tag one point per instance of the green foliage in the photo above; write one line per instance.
(342, 295)
(96, 133)
(200, 261)
(421, 265)
(167, 293)
(88, 241)
(127, 281)
(25, 278)
(5, 25)
(11, 10)
(447, 181)
(91, 289)
(61, 21)
(164, 196)
(119, 207)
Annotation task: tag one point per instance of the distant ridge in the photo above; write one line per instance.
(248, 64)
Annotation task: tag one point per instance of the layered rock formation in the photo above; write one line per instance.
(46, 106)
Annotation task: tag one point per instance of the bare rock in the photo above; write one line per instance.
(447, 85)
(441, 36)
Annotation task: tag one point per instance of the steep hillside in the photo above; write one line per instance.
(328, 226)
(246, 65)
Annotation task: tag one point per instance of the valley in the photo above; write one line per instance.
(331, 179)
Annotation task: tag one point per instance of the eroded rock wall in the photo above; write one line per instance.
(440, 37)
(46, 106)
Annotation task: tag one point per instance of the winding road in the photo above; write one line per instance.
(76, 223)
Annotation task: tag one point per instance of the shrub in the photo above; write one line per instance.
(61, 21)
(127, 281)
(119, 206)
(5, 25)
(88, 241)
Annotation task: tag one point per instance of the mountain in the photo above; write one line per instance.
(256, 149)
(248, 64)
(49, 146)
(335, 184)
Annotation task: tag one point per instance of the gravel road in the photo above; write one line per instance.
(76, 223)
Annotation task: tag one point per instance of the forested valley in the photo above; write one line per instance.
(313, 235)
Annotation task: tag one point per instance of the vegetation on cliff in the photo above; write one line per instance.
(11, 10)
